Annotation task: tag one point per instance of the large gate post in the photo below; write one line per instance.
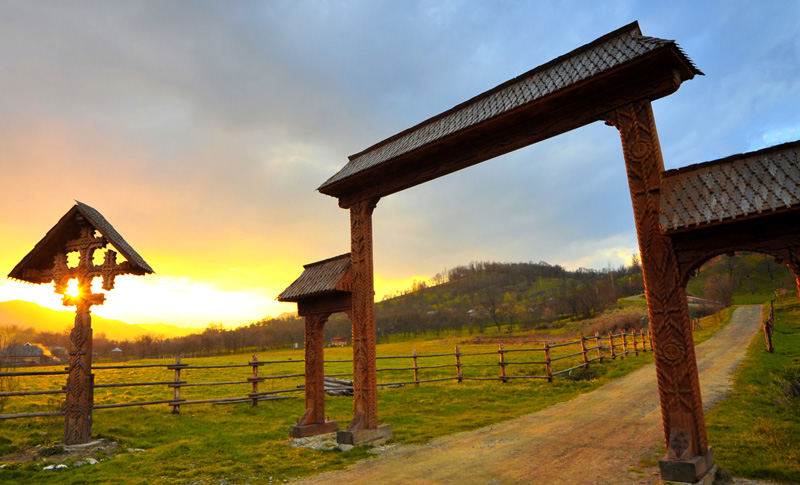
(689, 457)
(313, 420)
(364, 426)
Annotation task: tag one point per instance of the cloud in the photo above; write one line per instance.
(201, 129)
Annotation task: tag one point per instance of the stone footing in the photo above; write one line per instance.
(301, 431)
(373, 436)
(698, 469)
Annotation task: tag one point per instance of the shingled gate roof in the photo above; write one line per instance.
(602, 55)
(729, 188)
(323, 277)
(66, 229)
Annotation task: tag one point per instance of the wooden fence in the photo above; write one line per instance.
(576, 354)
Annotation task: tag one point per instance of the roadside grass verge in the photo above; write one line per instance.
(756, 431)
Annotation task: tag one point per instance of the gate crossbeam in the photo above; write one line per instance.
(571, 91)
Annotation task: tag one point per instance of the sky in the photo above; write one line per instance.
(201, 131)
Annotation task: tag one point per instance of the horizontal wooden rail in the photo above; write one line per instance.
(123, 367)
(521, 377)
(30, 415)
(133, 384)
(470, 354)
(31, 374)
(129, 404)
(420, 367)
(268, 393)
(565, 356)
(388, 384)
(533, 362)
(31, 393)
(203, 384)
(563, 344)
(522, 350)
(266, 378)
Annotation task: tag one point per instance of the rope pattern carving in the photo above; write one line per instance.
(676, 366)
(362, 316)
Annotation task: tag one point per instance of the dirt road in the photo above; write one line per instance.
(593, 439)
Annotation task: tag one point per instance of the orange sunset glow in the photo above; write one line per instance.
(203, 138)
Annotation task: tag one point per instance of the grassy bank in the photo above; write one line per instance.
(756, 431)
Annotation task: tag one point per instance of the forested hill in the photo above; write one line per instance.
(488, 293)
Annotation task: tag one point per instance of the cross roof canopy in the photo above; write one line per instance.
(39, 260)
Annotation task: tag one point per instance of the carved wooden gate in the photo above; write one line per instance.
(612, 79)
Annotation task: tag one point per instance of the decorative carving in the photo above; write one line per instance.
(86, 222)
(315, 368)
(676, 366)
(362, 317)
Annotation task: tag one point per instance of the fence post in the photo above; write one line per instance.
(416, 368)
(547, 362)
(176, 386)
(583, 350)
(635, 348)
(768, 323)
(597, 344)
(611, 344)
(624, 344)
(502, 364)
(458, 364)
(650, 338)
(255, 379)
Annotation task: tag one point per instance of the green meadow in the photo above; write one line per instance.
(240, 443)
(754, 432)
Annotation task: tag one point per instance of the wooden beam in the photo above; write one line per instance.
(558, 113)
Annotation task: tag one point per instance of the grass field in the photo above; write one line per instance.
(236, 443)
(756, 431)
(240, 443)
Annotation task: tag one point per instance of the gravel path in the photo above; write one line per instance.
(597, 438)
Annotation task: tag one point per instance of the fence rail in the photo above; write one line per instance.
(479, 370)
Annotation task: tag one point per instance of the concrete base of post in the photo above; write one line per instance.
(314, 429)
(696, 470)
(372, 436)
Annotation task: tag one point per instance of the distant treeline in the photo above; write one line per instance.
(468, 299)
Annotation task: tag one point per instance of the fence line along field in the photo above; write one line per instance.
(200, 382)
(240, 443)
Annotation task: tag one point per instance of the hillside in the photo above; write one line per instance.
(505, 296)
(27, 314)
(747, 278)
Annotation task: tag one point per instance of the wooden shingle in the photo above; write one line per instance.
(40, 258)
(329, 276)
(739, 186)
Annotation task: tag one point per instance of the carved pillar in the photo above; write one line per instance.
(80, 381)
(313, 420)
(364, 426)
(688, 455)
